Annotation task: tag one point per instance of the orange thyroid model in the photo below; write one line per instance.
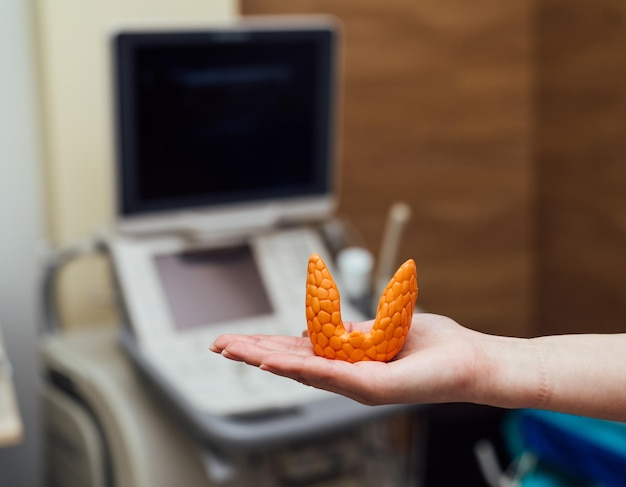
(328, 335)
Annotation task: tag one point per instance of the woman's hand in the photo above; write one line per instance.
(438, 363)
(441, 361)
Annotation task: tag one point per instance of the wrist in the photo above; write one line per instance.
(511, 373)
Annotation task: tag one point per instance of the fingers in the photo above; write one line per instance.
(252, 349)
(270, 341)
(293, 357)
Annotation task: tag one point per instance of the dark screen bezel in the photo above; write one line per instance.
(125, 44)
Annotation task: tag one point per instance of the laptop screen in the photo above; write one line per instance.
(219, 117)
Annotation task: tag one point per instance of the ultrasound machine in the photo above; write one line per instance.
(226, 178)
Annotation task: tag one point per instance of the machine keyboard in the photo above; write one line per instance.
(215, 385)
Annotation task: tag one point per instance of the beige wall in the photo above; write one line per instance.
(76, 125)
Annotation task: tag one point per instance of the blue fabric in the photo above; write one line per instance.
(571, 449)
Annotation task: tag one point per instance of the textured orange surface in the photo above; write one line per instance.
(328, 335)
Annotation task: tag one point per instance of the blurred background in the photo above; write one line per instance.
(502, 125)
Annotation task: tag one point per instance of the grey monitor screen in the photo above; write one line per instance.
(205, 287)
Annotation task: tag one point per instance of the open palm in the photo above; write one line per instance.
(436, 364)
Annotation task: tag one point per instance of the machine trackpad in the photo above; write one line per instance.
(204, 287)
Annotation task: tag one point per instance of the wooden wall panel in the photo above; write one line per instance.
(437, 113)
(581, 165)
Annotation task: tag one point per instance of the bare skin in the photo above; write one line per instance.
(442, 361)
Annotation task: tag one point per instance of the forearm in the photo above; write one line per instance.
(577, 374)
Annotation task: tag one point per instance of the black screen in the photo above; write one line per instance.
(209, 118)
